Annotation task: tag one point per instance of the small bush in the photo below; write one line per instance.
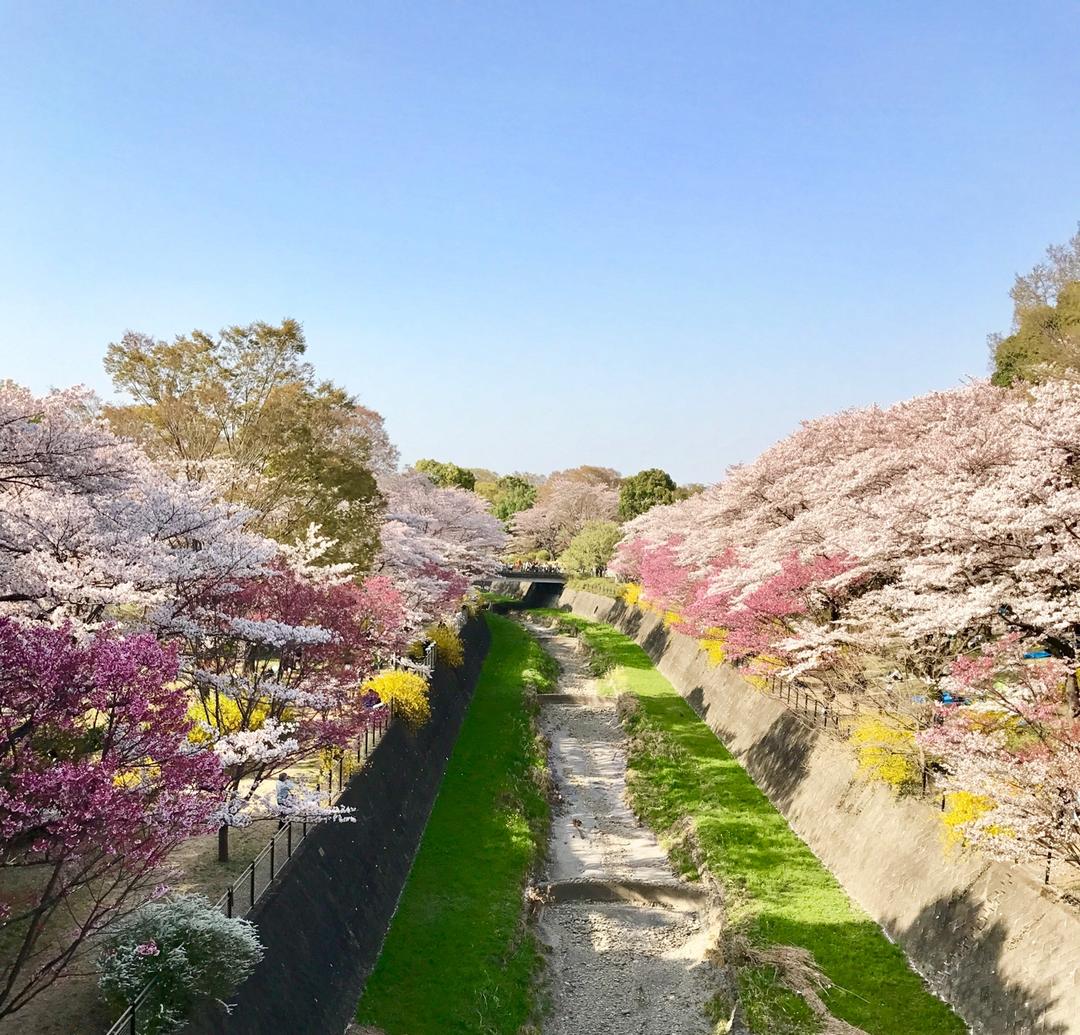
(448, 644)
(187, 948)
(631, 594)
(406, 692)
(886, 752)
(962, 808)
(713, 645)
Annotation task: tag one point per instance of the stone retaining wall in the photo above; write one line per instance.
(990, 939)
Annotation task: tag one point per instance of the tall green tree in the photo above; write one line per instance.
(507, 495)
(643, 491)
(447, 475)
(591, 549)
(243, 408)
(1045, 337)
(1046, 344)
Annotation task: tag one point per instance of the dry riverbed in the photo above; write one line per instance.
(627, 937)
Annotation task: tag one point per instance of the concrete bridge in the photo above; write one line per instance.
(532, 588)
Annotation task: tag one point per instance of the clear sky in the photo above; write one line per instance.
(538, 235)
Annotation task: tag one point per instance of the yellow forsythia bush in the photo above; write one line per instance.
(407, 692)
(713, 645)
(225, 717)
(448, 644)
(886, 751)
(962, 807)
(631, 594)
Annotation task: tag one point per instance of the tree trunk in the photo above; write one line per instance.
(1072, 694)
(223, 843)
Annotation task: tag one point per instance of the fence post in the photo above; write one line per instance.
(273, 840)
(253, 885)
(341, 772)
(229, 902)
(133, 1029)
(288, 839)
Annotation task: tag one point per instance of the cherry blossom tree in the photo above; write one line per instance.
(435, 543)
(565, 504)
(275, 664)
(91, 530)
(900, 538)
(1014, 751)
(98, 782)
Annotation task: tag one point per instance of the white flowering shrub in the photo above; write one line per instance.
(187, 948)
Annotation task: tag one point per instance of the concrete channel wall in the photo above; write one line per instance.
(324, 923)
(990, 938)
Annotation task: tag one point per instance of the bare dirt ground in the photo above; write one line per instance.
(629, 967)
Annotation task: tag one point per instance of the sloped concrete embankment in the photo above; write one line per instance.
(990, 939)
(324, 923)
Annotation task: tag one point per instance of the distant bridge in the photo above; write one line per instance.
(532, 588)
(528, 575)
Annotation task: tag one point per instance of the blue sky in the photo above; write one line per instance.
(533, 236)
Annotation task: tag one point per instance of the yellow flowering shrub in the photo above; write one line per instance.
(448, 644)
(338, 762)
(713, 645)
(407, 692)
(671, 618)
(224, 716)
(962, 807)
(886, 751)
(631, 594)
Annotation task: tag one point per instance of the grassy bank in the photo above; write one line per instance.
(458, 957)
(777, 892)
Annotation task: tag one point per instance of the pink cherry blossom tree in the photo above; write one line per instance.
(565, 504)
(1014, 749)
(874, 548)
(275, 664)
(435, 543)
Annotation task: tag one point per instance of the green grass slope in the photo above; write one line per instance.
(458, 957)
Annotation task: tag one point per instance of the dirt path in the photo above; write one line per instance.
(627, 937)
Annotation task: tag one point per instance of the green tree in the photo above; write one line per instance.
(1046, 344)
(1045, 337)
(643, 491)
(591, 549)
(243, 408)
(447, 475)
(511, 494)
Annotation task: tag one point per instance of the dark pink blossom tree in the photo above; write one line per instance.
(98, 782)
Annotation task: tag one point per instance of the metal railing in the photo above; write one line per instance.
(241, 897)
